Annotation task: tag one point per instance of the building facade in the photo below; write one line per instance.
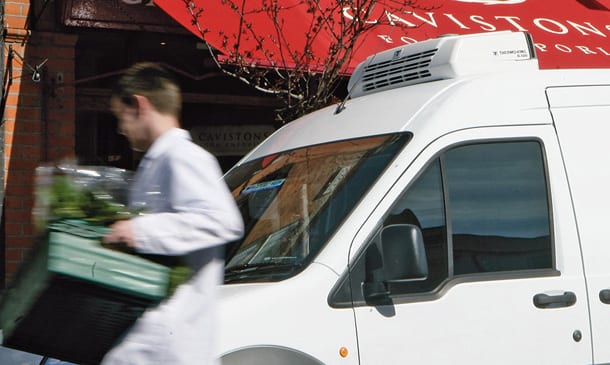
(60, 59)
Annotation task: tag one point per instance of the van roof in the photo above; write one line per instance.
(492, 98)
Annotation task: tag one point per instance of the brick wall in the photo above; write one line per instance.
(38, 121)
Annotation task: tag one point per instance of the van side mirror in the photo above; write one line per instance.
(402, 259)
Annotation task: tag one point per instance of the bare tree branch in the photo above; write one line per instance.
(301, 77)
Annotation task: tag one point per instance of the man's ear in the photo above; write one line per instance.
(142, 104)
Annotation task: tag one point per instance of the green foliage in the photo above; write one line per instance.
(68, 201)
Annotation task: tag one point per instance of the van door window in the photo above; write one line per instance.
(422, 205)
(498, 206)
(481, 208)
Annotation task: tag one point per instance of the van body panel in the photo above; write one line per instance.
(358, 119)
(275, 318)
(509, 94)
(582, 120)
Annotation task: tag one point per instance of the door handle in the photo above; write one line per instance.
(604, 296)
(554, 301)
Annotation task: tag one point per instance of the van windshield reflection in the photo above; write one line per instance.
(292, 202)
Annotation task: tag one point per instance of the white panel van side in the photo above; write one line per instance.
(451, 211)
(581, 115)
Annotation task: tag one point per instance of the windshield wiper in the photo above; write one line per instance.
(260, 265)
(244, 270)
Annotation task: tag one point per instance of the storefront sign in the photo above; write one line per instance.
(118, 14)
(555, 36)
(573, 34)
(230, 140)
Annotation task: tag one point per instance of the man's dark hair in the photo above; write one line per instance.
(153, 81)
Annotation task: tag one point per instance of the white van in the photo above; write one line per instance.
(452, 211)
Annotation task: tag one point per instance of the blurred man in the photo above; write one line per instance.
(188, 211)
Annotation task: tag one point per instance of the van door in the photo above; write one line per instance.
(504, 281)
(582, 118)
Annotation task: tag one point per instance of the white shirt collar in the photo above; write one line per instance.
(166, 141)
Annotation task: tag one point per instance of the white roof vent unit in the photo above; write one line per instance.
(443, 58)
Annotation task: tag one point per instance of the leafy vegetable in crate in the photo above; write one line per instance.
(88, 197)
(68, 201)
(94, 194)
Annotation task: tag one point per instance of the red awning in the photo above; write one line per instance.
(573, 34)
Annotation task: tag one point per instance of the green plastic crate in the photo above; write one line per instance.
(77, 252)
(73, 298)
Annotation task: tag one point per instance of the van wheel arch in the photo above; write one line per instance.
(268, 355)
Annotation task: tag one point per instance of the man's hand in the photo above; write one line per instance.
(121, 232)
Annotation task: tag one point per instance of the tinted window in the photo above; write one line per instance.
(423, 206)
(498, 207)
(481, 208)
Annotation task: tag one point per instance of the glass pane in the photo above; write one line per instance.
(498, 207)
(292, 202)
(422, 205)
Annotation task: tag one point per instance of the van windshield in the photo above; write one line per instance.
(293, 201)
